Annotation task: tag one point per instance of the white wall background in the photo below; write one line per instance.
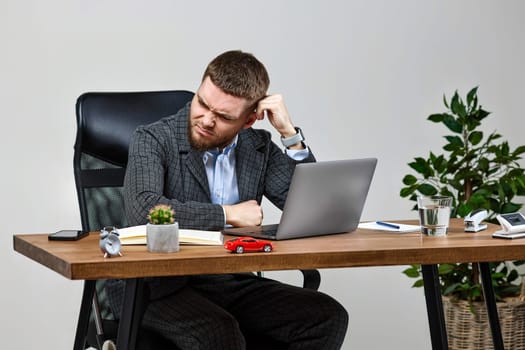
(360, 77)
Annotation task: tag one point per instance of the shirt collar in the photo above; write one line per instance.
(215, 151)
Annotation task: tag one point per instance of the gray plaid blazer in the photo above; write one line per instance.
(163, 168)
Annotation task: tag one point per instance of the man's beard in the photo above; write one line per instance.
(195, 144)
(202, 146)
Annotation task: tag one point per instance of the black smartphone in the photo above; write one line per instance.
(67, 235)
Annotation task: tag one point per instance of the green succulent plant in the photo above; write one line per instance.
(161, 214)
(477, 172)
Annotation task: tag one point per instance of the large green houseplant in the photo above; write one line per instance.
(477, 171)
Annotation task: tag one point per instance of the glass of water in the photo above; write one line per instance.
(434, 214)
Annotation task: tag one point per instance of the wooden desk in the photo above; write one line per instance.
(82, 260)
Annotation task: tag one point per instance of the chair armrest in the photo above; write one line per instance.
(312, 279)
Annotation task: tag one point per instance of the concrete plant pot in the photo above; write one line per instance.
(163, 238)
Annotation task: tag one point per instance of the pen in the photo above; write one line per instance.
(387, 224)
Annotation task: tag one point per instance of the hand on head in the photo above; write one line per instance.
(274, 108)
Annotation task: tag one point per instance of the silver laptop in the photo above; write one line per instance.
(324, 198)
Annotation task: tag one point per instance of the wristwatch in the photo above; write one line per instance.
(110, 242)
(292, 140)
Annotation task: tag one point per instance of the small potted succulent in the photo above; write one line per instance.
(162, 231)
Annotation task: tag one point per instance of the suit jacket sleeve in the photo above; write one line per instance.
(263, 169)
(279, 175)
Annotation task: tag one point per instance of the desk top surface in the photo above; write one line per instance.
(83, 260)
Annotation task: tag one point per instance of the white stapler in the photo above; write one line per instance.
(474, 219)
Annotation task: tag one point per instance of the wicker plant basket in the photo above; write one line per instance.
(471, 331)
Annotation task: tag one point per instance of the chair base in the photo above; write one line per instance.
(146, 339)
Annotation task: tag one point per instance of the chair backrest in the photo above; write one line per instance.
(105, 124)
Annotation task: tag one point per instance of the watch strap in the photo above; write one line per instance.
(292, 140)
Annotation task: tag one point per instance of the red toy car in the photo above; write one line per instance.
(248, 244)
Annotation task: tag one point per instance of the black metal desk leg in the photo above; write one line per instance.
(84, 314)
(131, 314)
(490, 302)
(436, 318)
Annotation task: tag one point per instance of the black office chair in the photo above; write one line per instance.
(105, 124)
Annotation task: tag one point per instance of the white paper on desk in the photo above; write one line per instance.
(375, 226)
(136, 235)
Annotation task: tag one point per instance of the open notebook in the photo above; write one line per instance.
(137, 235)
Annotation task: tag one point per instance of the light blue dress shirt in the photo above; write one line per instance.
(220, 169)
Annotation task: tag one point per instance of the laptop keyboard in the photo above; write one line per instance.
(269, 231)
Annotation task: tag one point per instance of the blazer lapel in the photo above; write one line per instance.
(195, 166)
(250, 163)
(193, 163)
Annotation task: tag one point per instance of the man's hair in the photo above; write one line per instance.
(239, 74)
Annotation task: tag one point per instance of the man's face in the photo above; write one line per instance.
(216, 117)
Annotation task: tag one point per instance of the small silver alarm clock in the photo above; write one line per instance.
(110, 242)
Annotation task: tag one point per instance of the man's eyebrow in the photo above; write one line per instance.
(223, 115)
(226, 116)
